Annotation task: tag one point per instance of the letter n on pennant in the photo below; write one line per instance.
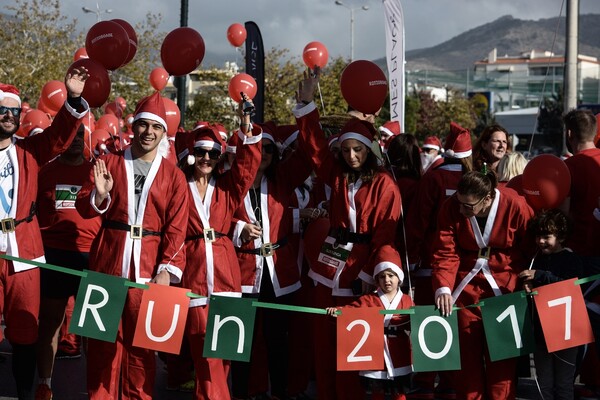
(230, 328)
(99, 305)
(161, 320)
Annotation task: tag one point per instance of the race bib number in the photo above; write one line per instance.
(334, 255)
(65, 196)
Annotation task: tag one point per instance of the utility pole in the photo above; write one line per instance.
(571, 51)
(180, 80)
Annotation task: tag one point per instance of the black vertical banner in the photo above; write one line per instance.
(255, 67)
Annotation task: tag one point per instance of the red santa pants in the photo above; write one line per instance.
(479, 378)
(331, 384)
(105, 360)
(19, 303)
(211, 373)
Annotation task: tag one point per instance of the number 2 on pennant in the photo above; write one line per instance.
(567, 302)
(510, 312)
(352, 357)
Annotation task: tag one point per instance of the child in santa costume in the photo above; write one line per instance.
(143, 203)
(394, 379)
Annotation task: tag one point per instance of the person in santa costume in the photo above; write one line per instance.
(481, 247)
(434, 188)
(364, 211)
(431, 153)
(268, 264)
(213, 268)
(395, 378)
(143, 202)
(387, 132)
(20, 162)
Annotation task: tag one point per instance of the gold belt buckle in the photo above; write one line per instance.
(266, 249)
(484, 253)
(135, 232)
(7, 225)
(209, 235)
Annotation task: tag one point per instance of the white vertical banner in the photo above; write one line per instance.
(394, 50)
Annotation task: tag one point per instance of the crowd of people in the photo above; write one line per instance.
(284, 214)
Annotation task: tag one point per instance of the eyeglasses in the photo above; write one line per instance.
(471, 206)
(268, 148)
(15, 111)
(212, 154)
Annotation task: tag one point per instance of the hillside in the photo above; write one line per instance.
(509, 36)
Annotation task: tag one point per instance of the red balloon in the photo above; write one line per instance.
(133, 40)
(182, 51)
(80, 53)
(98, 138)
(110, 123)
(114, 109)
(54, 95)
(236, 34)
(97, 86)
(34, 119)
(546, 181)
(25, 107)
(121, 102)
(315, 234)
(159, 78)
(516, 184)
(364, 86)
(315, 53)
(129, 121)
(242, 83)
(173, 116)
(107, 43)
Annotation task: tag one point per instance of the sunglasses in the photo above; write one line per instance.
(212, 154)
(471, 206)
(268, 148)
(15, 111)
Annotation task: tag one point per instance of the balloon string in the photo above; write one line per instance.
(321, 97)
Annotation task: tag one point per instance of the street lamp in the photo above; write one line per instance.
(97, 11)
(352, 9)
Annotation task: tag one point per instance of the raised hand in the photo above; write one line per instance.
(103, 180)
(308, 85)
(75, 81)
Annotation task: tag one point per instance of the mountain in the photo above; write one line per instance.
(509, 36)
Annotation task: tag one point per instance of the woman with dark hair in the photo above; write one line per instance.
(481, 247)
(405, 165)
(268, 265)
(364, 212)
(493, 143)
(212, 266)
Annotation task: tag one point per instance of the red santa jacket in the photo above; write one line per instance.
(397, 350)
(213, 267)
(163, 208)
(275, 195)
(375, 209)
(27, 156)
(457, 248)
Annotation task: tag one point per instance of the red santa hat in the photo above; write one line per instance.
(287, 134)
(458, 142)
(182, 144)
(222, 131)
(206, 137)
(10, 92)
(390, 129)
(153, 108)
(432, 142)
(232, 144)
(387, 257)
(333, 139)
(268, 130)
(200, 124)
(360, 130)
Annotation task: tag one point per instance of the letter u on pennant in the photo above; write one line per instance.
(161, 320)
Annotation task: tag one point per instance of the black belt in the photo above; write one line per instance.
(266, 249)
(210, 235)
(135, 231)
(9, 224)
(343, 236)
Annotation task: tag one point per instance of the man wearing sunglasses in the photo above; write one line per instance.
(20, 236)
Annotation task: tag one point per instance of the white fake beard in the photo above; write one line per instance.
(426, 160)
(163, 147)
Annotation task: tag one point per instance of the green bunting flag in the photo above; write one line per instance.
(507, 326)
(230, 328)
(434, 340)
(99, 305)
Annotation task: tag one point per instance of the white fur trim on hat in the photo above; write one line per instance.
(13, 96)
(461, 154)
(231, 149)
(208, 144)
(151, 116)
(385, 130)
(431, 146)
(266, 135)
(290, 139)
(382, 266)
(356, 136)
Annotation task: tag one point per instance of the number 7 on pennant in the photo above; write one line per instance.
(563, 315)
